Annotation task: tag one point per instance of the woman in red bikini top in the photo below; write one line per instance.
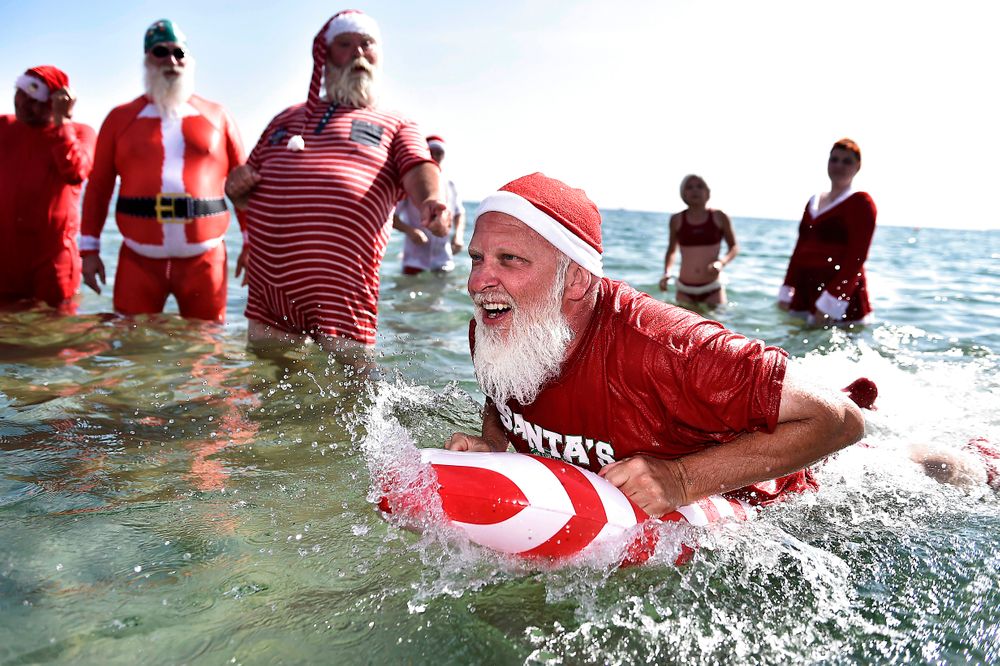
(699, 231)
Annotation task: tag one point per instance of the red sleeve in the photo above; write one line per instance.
(720, 383)
(72, 151)
(409, 148)
(234, 145)
(860, 223)
(793, 265)
(101, 183)
(237, 156)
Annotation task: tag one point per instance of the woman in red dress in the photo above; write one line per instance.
(825, 282)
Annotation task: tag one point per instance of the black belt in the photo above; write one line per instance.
(167, 207)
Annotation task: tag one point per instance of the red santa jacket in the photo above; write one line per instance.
(41, 171)
(191, 154)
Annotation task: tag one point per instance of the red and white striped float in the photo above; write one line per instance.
(531, 506)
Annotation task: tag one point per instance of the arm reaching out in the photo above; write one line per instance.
(423, 187)
(812, 424)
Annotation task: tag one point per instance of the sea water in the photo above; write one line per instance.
(167, 497)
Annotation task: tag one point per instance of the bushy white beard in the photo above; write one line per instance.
(170, 95)
(347, 86)
(517, 366)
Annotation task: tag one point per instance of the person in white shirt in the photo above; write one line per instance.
(423, 251)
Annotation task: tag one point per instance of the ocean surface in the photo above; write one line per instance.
(167, 497)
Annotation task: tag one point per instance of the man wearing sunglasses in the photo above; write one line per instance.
(320, 186)
(172, 150)
(44, 159)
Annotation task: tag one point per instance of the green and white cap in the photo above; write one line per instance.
(162, 31)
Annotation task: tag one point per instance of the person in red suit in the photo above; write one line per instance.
(173, 151)
(44, 159)
(668, 406)
(825, 281)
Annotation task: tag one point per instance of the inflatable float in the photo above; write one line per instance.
(536, 507)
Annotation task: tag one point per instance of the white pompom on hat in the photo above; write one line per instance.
(560, 214)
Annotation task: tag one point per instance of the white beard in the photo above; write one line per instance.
(518, 365)
(345, 85)
(170, 95)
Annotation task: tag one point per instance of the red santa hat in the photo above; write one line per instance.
(562, 215)
(40, 82)
(435, 141)
(349, 20)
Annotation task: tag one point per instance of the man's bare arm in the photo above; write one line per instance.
(240, 182)
(423, 187)
(812, 424)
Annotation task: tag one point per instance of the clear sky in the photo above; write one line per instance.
(620, 98)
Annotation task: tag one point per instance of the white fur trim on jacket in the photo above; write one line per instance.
(549, 228)
(831, 306)
(786, 293)
(90, 244)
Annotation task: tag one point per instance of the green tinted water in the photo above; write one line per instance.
(167, 497)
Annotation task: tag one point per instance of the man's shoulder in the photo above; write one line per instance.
(638, 307)
(386, 115)
(640, 317)
(207, 106)
(289, 114)
(83, 129)
(133, 106)
(124, 113)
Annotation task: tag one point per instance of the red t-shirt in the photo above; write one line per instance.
(652, 378)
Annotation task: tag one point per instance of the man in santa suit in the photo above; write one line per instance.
(44, 159)
(173, 151)
(319, 188)
(668, 406)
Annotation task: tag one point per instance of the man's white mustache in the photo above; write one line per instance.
(361, 63)
(493, 297)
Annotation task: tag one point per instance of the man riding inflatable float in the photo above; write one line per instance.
(668, 406)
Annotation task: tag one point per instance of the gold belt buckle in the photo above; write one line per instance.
(164, 207)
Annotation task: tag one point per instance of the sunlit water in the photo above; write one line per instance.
(166, 497)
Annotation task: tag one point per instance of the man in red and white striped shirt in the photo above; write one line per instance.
(319, 188)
